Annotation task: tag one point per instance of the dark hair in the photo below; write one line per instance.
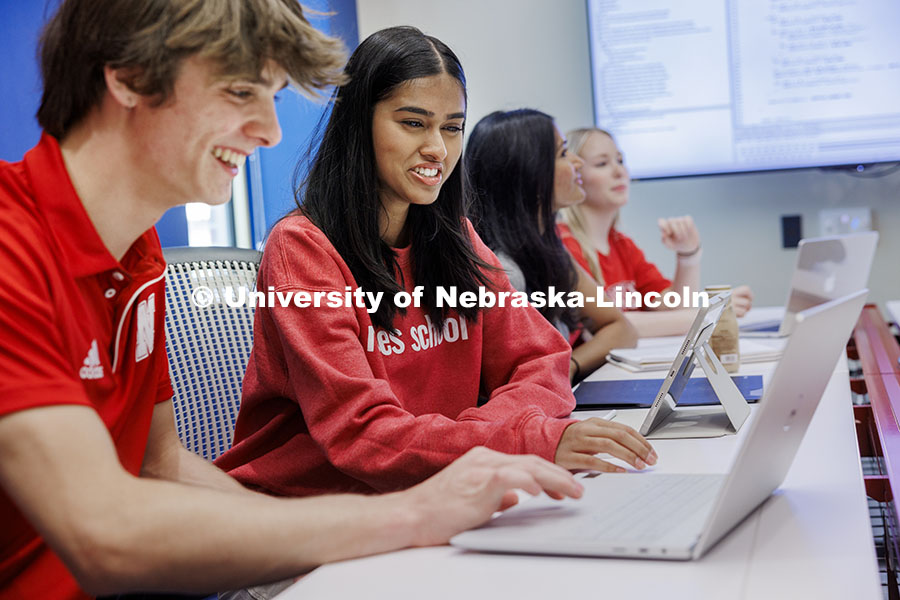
(148, 39)
(510, 163)
(340, 194)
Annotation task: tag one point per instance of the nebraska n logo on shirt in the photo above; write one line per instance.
(146, 311)
(92, 369)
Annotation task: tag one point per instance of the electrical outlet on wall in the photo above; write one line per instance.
(791, 231)
(845, 220)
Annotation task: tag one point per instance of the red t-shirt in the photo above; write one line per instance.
(625, 268)
(332, 404)
(76, 327)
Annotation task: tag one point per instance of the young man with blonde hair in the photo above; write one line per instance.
(149, 104)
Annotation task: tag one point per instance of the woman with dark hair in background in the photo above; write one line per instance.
(375, 396)
(521, 173)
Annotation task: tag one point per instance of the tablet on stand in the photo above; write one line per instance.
(666, 419)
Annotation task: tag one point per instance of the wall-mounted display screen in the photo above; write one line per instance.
(693, 87)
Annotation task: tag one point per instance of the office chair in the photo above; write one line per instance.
(207, 341)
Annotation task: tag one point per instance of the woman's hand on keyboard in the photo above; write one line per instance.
(581, 441)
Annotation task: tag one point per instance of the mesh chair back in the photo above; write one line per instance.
(208, 342)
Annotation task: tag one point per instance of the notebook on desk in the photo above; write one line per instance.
(827, 268)
(655, 355)
(639, 393)
(648, 515)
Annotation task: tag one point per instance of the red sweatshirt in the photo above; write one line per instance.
(332, 404)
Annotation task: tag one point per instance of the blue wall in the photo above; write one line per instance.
(19, 80)
(271, 172)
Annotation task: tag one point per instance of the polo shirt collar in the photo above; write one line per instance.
(55, 196)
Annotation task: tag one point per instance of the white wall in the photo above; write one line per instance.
(535, 53)
(516, 53)
(739, 217)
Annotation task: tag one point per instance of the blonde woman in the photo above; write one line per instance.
(589, 232)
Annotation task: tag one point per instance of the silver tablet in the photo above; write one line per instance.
(663, 421)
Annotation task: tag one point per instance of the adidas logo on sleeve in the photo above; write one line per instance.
(92, 369)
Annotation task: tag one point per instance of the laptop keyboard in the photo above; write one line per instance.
(651, 507)
(765, 326)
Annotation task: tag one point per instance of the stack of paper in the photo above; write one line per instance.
(656, 354)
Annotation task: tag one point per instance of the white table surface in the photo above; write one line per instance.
(811, 539)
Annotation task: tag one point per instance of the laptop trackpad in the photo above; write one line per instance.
(693, 422)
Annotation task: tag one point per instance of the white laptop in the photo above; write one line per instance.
(827, 268)
(671, 516)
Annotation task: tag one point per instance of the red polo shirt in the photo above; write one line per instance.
(76, 327)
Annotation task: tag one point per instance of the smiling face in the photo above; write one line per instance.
(605, 177)
(417, 134)
(190, 147)
(567, 190)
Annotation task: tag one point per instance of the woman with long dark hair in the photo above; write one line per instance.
(376, 395)
(521, 174)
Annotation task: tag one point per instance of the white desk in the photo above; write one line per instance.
(811, 539)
